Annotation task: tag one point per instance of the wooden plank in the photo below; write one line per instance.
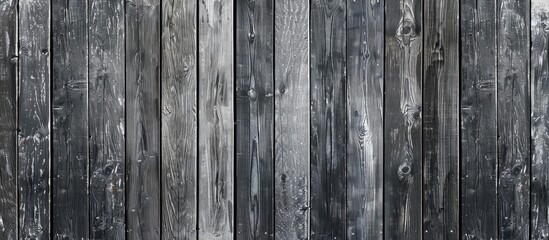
(513, 104)
(8, 119)
(254, 120)
(143, 119)
(34, 119)
(328, 119)
(179, 119)
(69, 200)
(106, 119)
(441, 120)
(540, 118)
(478, 120)
(365, 89)
(402, 130)
(216, 122)
(292, 126)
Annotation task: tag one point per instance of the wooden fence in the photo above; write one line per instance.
(264, 119)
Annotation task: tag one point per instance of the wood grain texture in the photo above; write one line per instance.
(540, 119)
(402, 130)
(365, 92)
(328, 119)
(292, 126)
(478, 120)
(254, 119)
(216, 121)
(513, 111)
(69, 200)
(106, 119)
(441, 120)
(179, 119)
(34, 119)
(8, 119)
(143, 119)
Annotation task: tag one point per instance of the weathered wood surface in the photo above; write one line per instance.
(34, 119)
(402, 131)
(441, 120)
(106, 119)
(292, 127)
(478, 120)
(328, 119)
(179, 119)
(143, 119)
(8, 118)
(365, 89)
(513, 111)
(69, 156)
(254, 111)
(540, 118)
(216, 121)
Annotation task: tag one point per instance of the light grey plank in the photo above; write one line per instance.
(216, 122)
(292, 139)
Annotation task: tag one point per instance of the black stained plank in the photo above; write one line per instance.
(69, 200)
(540, 118)
(441, 120)
(478, 120)
(106, 119)
(365, 91)
(328, 119)
(34, 119)
(8, 127)
(143, 119)
(216, 121)
(254, 119)
(292, 139)
(179, 119)
(513, 111)
(402, 130)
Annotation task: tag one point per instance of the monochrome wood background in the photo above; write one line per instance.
(274, 119)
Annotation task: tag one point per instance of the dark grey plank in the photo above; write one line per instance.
(513, 111)
(254, 119)
(34, 119)
(478, 120)
(143, 119)
(292, 139)
(179, 120)
(8, 113)
(540, 118)
(365, 87)
(216, 121)
(441, 120)
(106, 119)
(402, 130)
(69, 200)
(328, 119)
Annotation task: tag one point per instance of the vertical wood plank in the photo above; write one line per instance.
(179, 119)
(69, 200)
(441, 120)
(254, 119)
(216, 122)
(478, 120)
(106, 119)
(143, 118)
(513, 104)
(540, 118)
(292, 140)
(402, 131)
(34, 119)
(8, 119)
(365, 89)
(328, 119)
